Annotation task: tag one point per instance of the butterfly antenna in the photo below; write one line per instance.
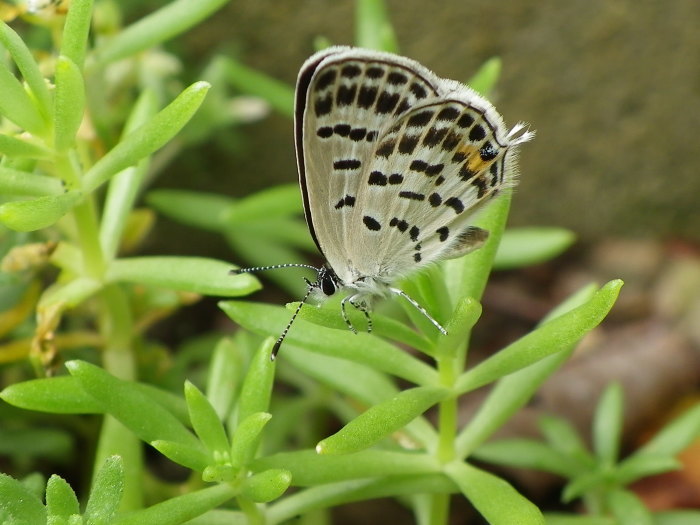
(238, 271)
(419, 308)
(278, 343)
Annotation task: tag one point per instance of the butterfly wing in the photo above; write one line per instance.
(345, 99)
(394, 161)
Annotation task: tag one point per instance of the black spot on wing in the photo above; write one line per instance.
(386, 148)
(348, 201)
(324, 105)
(325, 79)
(377, 178)
(408, 144)
(434, 136)
(477, 133)
(396, 78)
(357, 134)
(342, 129)
(346, 164)
(374, 72)
(387, 102)
(465, 120)
(414, 232)
(481, 186)
(488, 152)
(395, 178)
(435, 200)
(412, 195)
(420, 119)
(367, 96)
(456, 204)
(350, 71)
(399, 224)
(345, 95)
(449, 113)
(371, 223)
(418, 90)
(443, 232)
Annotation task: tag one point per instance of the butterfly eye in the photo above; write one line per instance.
(328, 284)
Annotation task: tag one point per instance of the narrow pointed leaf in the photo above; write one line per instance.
(266, 486)
(607, 425)
(138, 412)
(148, 138)
(37, 213)
(494, 498)
(246, 437)
(60, 498)
(18, 503)
(189, 274)
(381, 420)
(16, 105)
(69, 103)
(205, 421)
(106, 493)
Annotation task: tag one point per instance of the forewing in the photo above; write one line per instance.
(346, 99)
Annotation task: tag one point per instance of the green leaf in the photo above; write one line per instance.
(206, 423)
(529, 454)
(484, 80)
(17, 106)
(527, 246)
(381, 420)
(75, 31)
(550, 338)
(607, 425)
(628, 509)
(554, 518)
(181, 508)
(69, 102)
(257, 384)
(277, 202)
(106, 492)
(189, 274)
(266, 486)
(200, 210)
(497, 501)
(58, 395)
(640, 466)
(136, 411)
(61, 501)
(18, 504)
(34, 214)
(147, 138)
(26, 64)
(310, 469)
(588, 482)
(225, 374)
(171, 20)
(20, 148)
(279, 95)
(513, 391)
(382, 326)
(676, 517)
(124, 187)
(245, 439)
(361, 348)
(675, 436)
(563, 437)
(191, 457)
(22, 183)
(373, 29)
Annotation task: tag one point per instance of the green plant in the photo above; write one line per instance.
(600, 477)
(242, 444)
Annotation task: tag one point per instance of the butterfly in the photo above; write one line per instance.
(393, 163)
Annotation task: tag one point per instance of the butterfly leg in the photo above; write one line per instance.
(362, 307)
(345, 314)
